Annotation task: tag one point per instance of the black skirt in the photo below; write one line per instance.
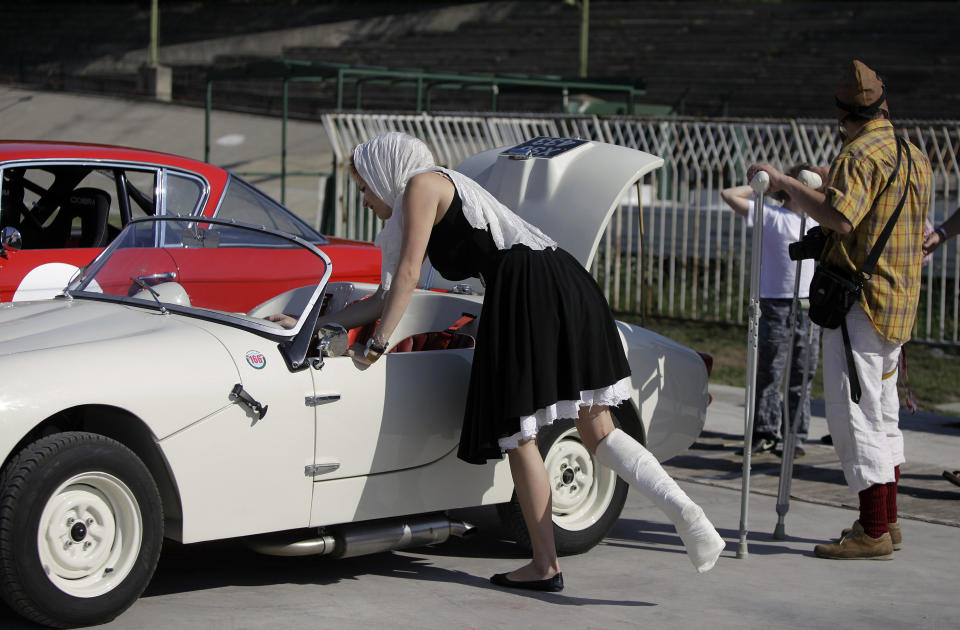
(546, 335)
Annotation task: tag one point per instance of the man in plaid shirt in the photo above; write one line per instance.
(854, 208)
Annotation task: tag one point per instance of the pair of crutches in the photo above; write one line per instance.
(760, 184)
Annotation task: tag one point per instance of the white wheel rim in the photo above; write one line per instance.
(582, 489)
(89, 534)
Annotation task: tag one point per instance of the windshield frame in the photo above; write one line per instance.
(309, 229)
(260, 327)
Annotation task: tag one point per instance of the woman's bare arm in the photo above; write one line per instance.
(421, 209)
(359, 313)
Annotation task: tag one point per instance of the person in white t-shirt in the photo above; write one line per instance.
(781, 226)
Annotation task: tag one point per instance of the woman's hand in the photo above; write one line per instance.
(284, 320)
(358, 352)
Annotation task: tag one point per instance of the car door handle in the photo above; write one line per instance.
(320, 399)
(240, 396)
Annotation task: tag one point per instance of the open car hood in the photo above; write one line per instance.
(567, 187)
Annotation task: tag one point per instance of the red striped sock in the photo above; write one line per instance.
(873, 510)
(892, 496)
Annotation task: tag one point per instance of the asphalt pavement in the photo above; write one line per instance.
(638, 576)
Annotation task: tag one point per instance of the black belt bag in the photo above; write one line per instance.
(833, 292)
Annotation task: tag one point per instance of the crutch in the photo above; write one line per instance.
(792, 425)
(760, 183)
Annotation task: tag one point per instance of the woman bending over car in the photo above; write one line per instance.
(547, 346)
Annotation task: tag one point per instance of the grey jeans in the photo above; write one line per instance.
(774, 337)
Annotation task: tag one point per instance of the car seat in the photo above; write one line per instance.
(92, 206)
(449, 339)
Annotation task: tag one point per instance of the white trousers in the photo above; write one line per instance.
(866, 436)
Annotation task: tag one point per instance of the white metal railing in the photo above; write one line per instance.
(673, 248)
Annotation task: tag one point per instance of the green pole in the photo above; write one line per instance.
(154, 28)
(206, 122)
(340, 90)
(584, 35)
(283, 143)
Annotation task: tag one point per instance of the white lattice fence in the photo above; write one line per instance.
(680, 252)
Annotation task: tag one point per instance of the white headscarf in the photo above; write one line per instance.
(388, 161)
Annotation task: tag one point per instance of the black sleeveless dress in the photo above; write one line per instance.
(545, 334)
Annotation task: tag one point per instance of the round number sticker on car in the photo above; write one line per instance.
(256, 360)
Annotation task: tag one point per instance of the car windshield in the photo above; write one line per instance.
(213, 269)
(243, 202)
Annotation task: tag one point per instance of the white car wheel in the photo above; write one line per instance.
(587, 497)
(582, 489)
(89, 534)
(81, 525)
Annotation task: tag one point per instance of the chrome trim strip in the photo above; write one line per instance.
(319, 469)
(322, 399)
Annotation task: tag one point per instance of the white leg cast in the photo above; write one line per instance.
(638, 467)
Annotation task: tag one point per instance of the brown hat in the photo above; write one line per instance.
(861, 92)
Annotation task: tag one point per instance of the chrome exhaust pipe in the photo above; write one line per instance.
(359, 539)
(290, 544)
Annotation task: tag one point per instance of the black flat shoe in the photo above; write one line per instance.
(550, 585)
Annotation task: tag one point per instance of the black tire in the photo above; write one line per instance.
(586, 501)
(101, 519)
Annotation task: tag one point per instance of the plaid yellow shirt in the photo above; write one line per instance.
(857, 176)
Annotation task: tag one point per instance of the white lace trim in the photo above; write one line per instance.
(609, 396)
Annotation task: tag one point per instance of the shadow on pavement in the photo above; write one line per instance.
(204, 566)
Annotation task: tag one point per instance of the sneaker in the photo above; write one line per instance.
(760, 446)
(857, 546)
(798, 452)
(826, 439)
(896, 536)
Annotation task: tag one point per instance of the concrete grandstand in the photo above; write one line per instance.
(743, 59)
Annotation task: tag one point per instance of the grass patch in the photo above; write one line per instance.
(933, 371)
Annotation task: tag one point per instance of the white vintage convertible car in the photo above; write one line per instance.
(152, 399)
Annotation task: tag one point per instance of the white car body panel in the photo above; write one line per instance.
(67, 353)
(651, 358)
(246, 457)
(445, 484)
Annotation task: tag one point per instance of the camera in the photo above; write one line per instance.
(810, 246)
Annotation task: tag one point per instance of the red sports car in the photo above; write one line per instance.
(62, 203)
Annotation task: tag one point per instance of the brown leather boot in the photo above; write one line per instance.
(896, 536)
(857, 546)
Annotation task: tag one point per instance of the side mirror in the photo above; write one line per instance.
(334, 340)
(11, 238)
